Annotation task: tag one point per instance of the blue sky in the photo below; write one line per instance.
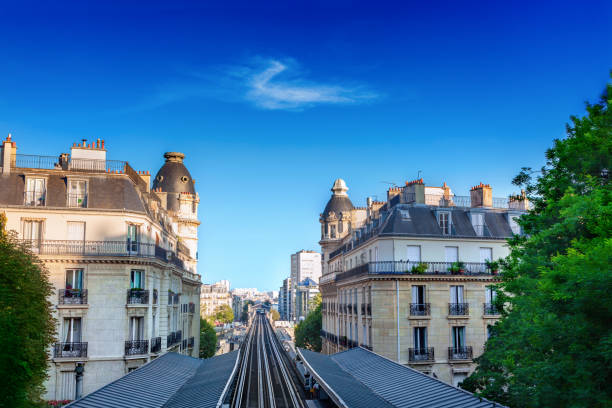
(271, 104)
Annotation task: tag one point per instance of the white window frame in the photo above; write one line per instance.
(446, 229)
(69, 201)
(36, 196)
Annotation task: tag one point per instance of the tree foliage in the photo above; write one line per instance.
(308, 331)
(274, 315)
(208, 339)
(26, 322)
(224, 314)
(553, 346)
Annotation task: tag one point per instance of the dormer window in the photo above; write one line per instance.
(405, 214)
(444, 221)
(35, 191)
(514, 225)
(77, 193)
(478, 222)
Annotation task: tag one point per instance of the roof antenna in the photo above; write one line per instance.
(419, 174)
(390, 183)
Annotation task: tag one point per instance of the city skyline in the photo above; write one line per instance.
(267, 122)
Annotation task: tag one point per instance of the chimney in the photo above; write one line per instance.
(8, 154)
(481, 196)
(519, 202)
(392, 192)
(414, 192)
(146, 177)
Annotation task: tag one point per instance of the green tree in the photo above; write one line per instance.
(553, 346)
(244, 317)
(275, 315)
(224, 314)
(26, 323)
(308, 331)
(208, 339)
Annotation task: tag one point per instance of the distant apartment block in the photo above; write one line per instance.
(122, 258)
(212, 296)
(304, 265)
(411, 277)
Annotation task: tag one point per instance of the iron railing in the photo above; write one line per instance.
(155, 344)
(421, 354)
(134, 347)
(178, 335)
(137, 297)
(34, 198)
(33, 161)
(458, 309)
(70, 350)
(365, 346)
(419, 309)
(171, 339)
(73, 296)
(490, 309)
(460, 353)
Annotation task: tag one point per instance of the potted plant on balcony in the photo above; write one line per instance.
(419, 269)
(457, 268)
(492, 266)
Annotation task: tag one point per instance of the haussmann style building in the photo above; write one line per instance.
(122, 258)
(411, 277)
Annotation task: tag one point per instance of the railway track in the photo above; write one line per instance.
(265, 379)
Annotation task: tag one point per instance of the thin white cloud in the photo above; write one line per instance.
(275, 86)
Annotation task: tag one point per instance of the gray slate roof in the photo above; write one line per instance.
(361, 377)
(172, 380)
(338, 204)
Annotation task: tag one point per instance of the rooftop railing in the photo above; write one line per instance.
(33, 161)
(439, 200)
(417, 268)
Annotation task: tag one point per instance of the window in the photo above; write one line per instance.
(72, 330)
(35, 191)
(77, 193)
(444, 221)
(414, 253)
(340, 226)
(451, 254)
(456, 294)
(490, 294)
(333, 231)
(458, 337)
(137, 328)
(486, 254)
(418, 294)
(516, 228)
(133, 233)
(478, 222)
(137, 279)
(74, 279)
(420, 339)
(32, 231)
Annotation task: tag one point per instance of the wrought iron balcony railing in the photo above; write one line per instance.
(458, 309)
(70, 350)
(137, 297)
(178, 335)
(73, 296)
(460, 353)
(490, 309)
(421, 354)
(419, 309)
(32, 161)
(135, 347)
(155, 344)
(171, 339)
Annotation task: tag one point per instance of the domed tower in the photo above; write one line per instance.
(175, 183)
(335, 220)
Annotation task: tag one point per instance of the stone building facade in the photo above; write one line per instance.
(121, 257)
(214, 295)
(304, 265)
(411, 277)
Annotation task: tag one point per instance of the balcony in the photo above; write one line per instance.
(155, 344)
(32, 161)
(70, 350)
(490, 309)
(72, 296)
(171, 340)
(178, 336)
(458, 309)
(460, 353)
(420, 309)
(137, 297)
(136, 347)
(192, 308)
(417, 355)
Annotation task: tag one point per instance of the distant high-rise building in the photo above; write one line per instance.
(285, 300)
(304, 265)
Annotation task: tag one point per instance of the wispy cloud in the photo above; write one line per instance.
(278, 85)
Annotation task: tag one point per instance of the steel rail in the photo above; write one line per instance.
(237, 400)
(286, 378)
(267, 368)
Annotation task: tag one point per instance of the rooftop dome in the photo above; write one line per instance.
(174, 178)
(339, 201)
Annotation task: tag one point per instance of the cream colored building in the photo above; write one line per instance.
(214, 295)
(408, 277)
(304, 265)
(121, 256)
